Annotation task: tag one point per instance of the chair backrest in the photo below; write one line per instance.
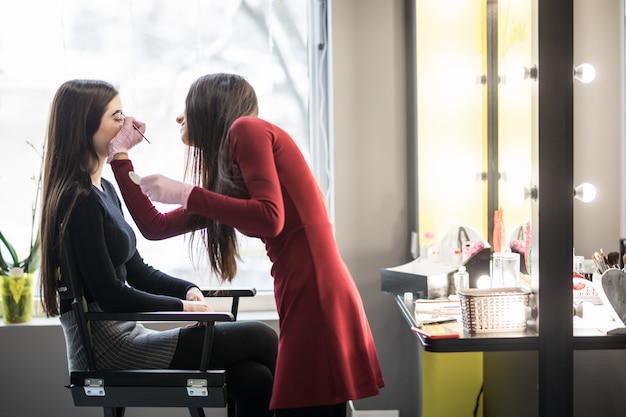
(70, 287)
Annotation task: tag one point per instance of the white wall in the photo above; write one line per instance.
(599, 126)
(371, 187)
(34, 374)
(599, 159)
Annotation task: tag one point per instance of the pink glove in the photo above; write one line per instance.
(165, 190)
(126, 138)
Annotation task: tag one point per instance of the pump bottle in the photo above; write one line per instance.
(461, 279)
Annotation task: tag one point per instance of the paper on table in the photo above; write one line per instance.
(438, 307)
(436, 311)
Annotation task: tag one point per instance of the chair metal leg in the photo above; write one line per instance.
(114, 411)
(231, 408)
(196, 412)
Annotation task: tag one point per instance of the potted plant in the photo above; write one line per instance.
(16, 285)
(16, 276)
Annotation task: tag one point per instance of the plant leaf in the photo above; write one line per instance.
(4, 268)
(10, 248)
(31, 263)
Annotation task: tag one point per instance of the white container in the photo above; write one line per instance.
(579, 264)
(429, 250)
(461, 279)
(505, 272)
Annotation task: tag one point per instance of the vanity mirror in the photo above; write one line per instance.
(474, 84)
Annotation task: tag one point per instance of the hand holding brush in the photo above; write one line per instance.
(130, 134)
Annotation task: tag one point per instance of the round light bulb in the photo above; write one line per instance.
(517, 193)
(585, 73)
(585, 192)
(483, 282)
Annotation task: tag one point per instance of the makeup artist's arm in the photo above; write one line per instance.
(152, 224)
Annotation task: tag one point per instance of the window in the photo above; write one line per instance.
(152, 51)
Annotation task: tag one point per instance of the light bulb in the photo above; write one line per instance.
(516, 73)
(585, 192)
(483, 282)
(518, 194)
(531, 193)
(585, 73)
(530, 72)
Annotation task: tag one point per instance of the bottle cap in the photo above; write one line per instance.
(461, 268)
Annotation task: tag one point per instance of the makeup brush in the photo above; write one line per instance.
(142, 135)
(136, 128)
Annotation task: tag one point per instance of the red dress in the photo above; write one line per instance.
(326, 353)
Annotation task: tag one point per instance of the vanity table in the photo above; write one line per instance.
(504, 363)
(557, 369)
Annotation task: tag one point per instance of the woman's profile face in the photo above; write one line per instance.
(110, 125)
(182, 121)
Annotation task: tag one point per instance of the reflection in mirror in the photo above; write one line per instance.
(450, 115)
(474, 86)
(515, 115)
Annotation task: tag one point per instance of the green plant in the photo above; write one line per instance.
(15, 266)
(11, 264)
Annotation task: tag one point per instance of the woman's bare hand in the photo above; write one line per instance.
(194, 294)
(197, 306)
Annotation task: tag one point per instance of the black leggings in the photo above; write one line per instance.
(336, 410)
(246, 350)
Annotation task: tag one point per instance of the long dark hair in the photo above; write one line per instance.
(213, 103)
(71, 157)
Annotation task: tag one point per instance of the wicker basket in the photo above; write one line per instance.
(494, 310)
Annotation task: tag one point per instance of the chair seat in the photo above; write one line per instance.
(149, 388)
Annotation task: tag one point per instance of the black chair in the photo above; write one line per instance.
(114, 390)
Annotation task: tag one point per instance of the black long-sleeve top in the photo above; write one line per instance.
(112, 272)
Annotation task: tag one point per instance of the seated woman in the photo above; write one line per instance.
(82, 209)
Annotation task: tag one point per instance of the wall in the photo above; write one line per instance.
(370, 177)
(371, 219)
(599, 159)
(34, 371)
(599, 126)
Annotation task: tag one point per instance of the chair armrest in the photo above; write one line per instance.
(183, 316)
(161, 316)
(230, 292)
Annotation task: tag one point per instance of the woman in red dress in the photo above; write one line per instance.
(248, 174)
